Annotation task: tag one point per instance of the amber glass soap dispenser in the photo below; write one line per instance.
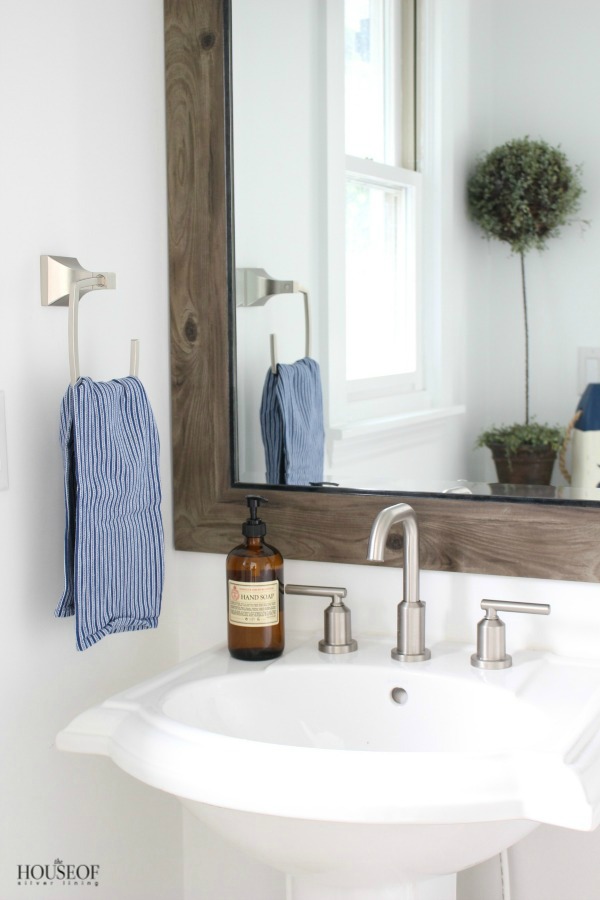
(255, 593)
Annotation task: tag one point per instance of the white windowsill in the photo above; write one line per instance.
(386, 424)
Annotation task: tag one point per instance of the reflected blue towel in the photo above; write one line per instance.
(291, 420)
(114, 544)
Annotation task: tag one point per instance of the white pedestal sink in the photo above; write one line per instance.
(358, 776)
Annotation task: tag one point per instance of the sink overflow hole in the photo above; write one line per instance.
(399, 695)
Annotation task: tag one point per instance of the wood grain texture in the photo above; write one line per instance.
(457, 534)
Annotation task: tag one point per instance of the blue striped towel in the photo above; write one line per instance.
(114, 544)
(291, 420)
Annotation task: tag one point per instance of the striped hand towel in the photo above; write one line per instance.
(291, 419)
(114, 545)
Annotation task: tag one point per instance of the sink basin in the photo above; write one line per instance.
(357, 772)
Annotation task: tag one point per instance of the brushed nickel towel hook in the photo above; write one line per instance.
(254, 287)
(64, 282)
(273, 337)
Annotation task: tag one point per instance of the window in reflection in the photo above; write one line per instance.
(379, 267)
(382, 197)
(380, 82)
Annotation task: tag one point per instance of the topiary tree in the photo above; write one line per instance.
(522, 193)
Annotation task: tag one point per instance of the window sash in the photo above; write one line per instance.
(380, 281)
(381, 87)
(409, 183)
(357, 399)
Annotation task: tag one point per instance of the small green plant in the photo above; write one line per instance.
(523, 193)
(533, 435)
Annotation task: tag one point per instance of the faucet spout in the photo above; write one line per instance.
(411, 611)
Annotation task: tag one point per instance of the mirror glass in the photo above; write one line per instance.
(406, 397)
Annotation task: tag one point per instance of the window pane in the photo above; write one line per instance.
(380, 80)
(381, 333)
(365, 78)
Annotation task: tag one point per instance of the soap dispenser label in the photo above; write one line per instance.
(255, 604)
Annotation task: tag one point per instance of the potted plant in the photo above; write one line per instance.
(522, 193)
(523, 453)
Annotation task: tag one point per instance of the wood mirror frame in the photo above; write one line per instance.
(457, 533)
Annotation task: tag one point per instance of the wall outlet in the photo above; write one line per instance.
(3, 452)
(588, 367)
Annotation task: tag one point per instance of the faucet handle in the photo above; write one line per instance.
(338, 628)
(491, 632)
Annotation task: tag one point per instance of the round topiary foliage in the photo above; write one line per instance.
(523, 192)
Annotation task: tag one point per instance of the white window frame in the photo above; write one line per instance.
(395, 178)
(374, 398)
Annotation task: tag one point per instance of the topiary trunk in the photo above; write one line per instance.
(524, 290)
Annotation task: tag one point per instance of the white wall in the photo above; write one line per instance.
(82, 173)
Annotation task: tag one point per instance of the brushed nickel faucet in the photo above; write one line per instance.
(410, 646)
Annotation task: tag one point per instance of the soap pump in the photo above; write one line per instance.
(255, 587)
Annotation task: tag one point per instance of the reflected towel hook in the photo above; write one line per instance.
(64, 282)
(254, 287)
(273, 337)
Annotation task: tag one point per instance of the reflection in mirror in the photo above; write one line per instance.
(355, 225)
(458, 532)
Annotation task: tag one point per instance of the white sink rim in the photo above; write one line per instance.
(366, 786)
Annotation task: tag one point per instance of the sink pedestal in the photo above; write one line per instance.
(441, 888)
(352, 861)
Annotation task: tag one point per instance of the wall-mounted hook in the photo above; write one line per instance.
(64, 281)
(254, 287)
(60, 273)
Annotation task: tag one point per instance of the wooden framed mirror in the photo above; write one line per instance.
(457, 533)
